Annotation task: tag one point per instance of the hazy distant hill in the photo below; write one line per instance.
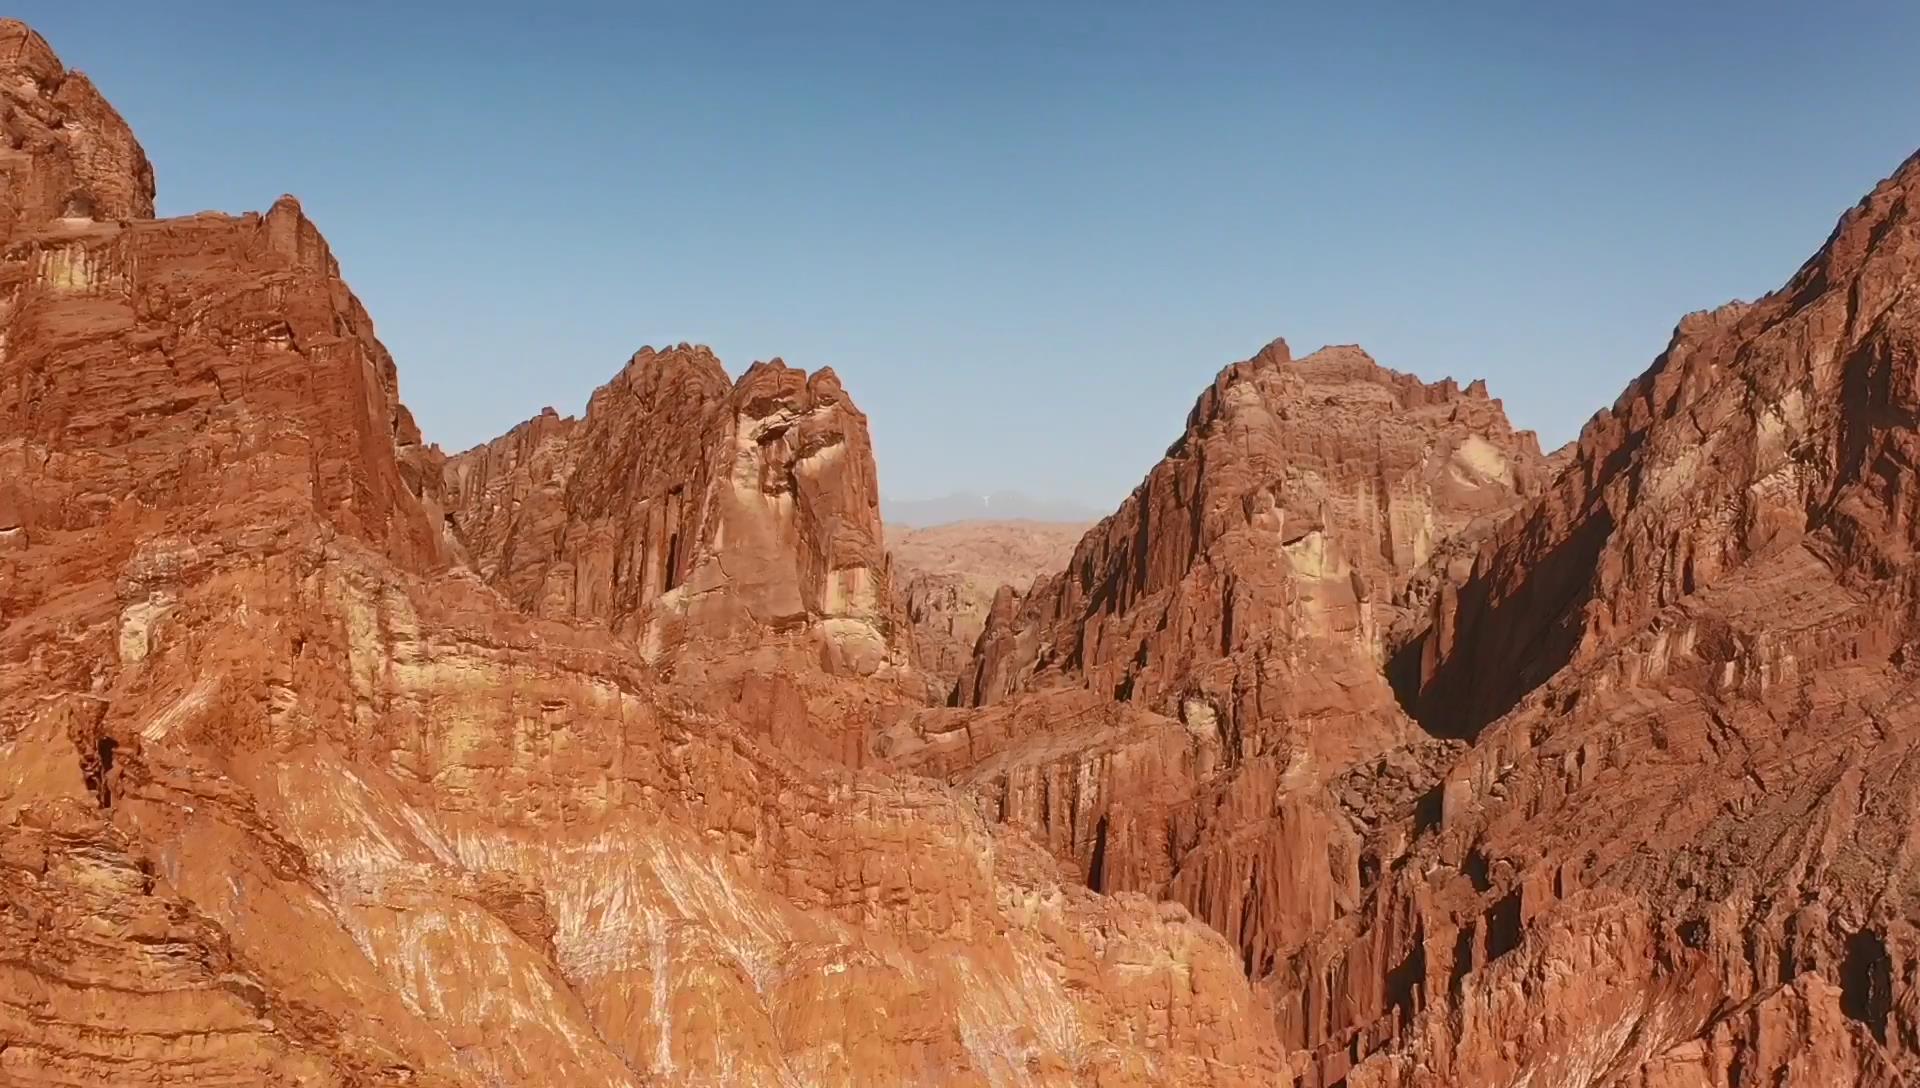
(968, 506)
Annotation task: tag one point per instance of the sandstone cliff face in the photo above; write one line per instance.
(686, 506)
(1762, 426)
(150, 367)
(290, 794)
(1675, 854)
(949, 575)
(730, 531)
(68, 155)
(1302, 496)
(1245, 603)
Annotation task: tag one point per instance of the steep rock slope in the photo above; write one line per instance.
(1680, 849)
(1301, 498)
(291, 795)
(1242, 604)
(729, 530)
(684, 505)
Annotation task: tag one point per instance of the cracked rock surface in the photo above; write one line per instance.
(1362, 746)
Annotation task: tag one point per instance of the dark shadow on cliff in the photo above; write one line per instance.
(1505, 647)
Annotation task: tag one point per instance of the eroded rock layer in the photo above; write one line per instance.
(686, 506)
(1678, 851)
(1244, 605)
(1301, 499)
(291, 794)
(730, 531)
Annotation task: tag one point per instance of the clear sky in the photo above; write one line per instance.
(1026, 235)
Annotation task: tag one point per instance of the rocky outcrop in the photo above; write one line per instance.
(729, 530)
(1246, 601)
(686, 506)
(290, 793)
(1762, 426)
(948, 577)
(67, 155)
(1673, 854)
(1302, 496)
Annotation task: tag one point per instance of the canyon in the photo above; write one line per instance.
(1364, 744)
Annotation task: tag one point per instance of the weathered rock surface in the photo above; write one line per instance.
(326, 761)
(729, 530)
(1302, 496)
(685, 506)
(1677, 852)
(291, 794)
(1244, 603)
(948, 576)
(68, 155)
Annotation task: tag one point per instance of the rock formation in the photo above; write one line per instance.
(1244, 603)
(1676, 852)
(686, 506)
(729, 530)
(1301, 498)
(588, 756)
(291, 793)
(950, 573)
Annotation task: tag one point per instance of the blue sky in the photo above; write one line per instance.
(1025, 235)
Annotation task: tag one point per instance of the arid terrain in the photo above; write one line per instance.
(949, 575)
(1365, 744)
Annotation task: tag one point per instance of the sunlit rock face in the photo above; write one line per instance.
(595, 755)
(1652, 837)
(684, 506)
(1686, 670)
(730, 531)
(1290, 518)
(308, 776)
(1245, 605)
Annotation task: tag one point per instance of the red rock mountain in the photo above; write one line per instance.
(1301, 497)
(729, 530)
(590, 756)
(292, 794)
(1671, 852)
(1676, 853)
(686, 505)
(1243, 603)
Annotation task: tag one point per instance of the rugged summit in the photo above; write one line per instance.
(1677, 851)
(1242, 606)
(68, 155)
(292, 793)
(586, 757)
(1301, 499)
(729, 530)
(688, 506)
(1764, 428)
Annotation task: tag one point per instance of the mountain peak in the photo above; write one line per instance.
(1784, 423)
(82, 160)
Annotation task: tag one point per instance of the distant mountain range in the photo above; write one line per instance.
(972, 506)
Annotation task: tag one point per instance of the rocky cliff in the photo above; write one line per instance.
(684, 506)
(292, 793)
(1244, 604)
(1675, 853)
(729, 531)
(1300, 501)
